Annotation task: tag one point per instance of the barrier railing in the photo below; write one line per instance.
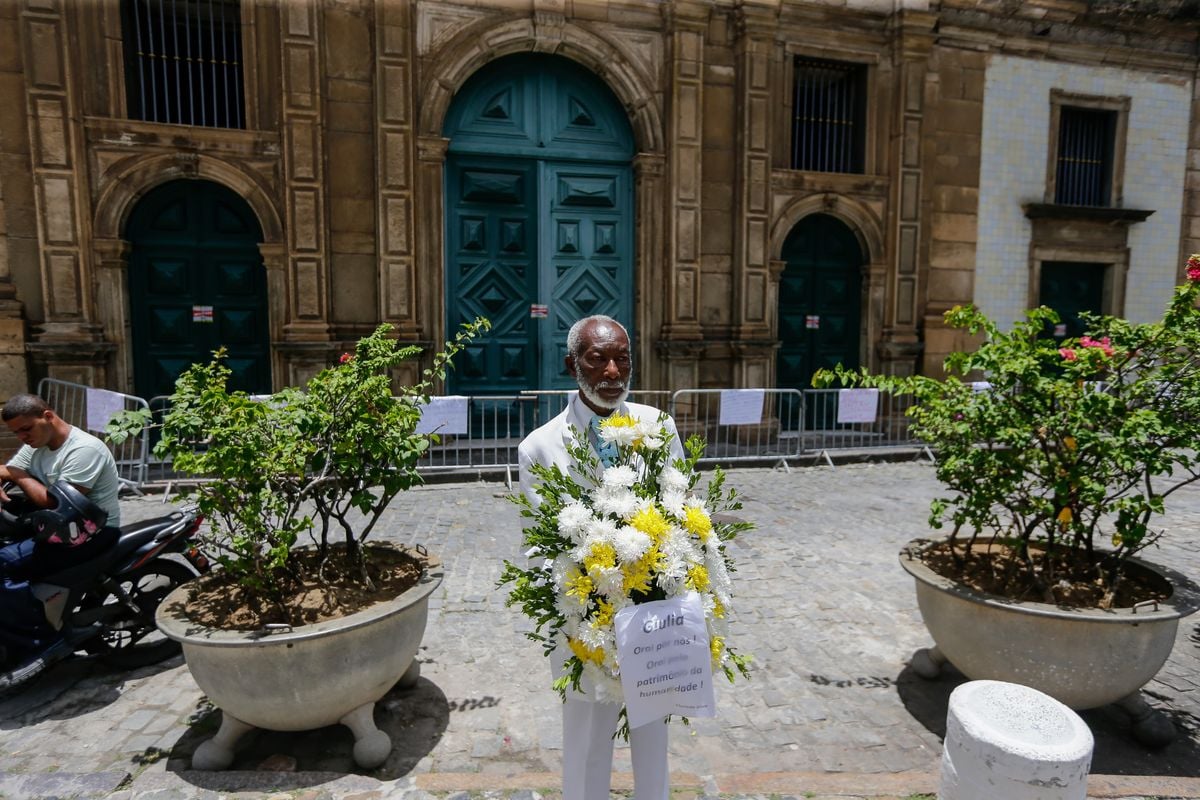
(742, 425)
(89, 409)
(823, 430)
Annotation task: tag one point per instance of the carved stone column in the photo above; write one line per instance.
(687, 25)
(649, 180)
(14, 377)
(307, 318)
(69, 345)
(430, 204)
(754, 338)
(394, 157)
(112, 306)
(901, 347)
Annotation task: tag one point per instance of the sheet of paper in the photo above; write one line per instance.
(741, 406)
(857, 405)
(666, 665)
(445, 415)
(101, 405)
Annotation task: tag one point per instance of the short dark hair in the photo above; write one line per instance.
(23, 405)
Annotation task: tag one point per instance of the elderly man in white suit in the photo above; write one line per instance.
(598, 356)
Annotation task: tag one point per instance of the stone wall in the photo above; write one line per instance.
(342, 162)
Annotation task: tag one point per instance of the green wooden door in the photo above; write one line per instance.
(1070, 287)
(820, 297)
(539, 218)
(196, 283)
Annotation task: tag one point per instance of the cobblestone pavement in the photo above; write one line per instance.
(832, 710)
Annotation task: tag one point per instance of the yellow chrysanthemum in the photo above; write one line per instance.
(618, 421)
(585, 653)
(579, 586)
(602, 555)
(717, 646)
(697, 522)
(637, 573)
(718, 609)
(651, 522)
(697, 577)
(604, 613)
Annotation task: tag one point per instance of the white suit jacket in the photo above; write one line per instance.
(548, 444)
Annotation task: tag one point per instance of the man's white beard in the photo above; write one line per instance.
(595, 399)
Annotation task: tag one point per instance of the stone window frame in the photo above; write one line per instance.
(1115, 264)
(1119, 104)
(118, 106)
(871, 113)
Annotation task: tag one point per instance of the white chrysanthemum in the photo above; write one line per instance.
(619, 477)
(672, 502)
(572, 518)
(562, 569)
(617, 501)
(607, 688)
(650, 433)
(622, 435)
(572, 613)
(600, 530)
(630, 543)
(672, 480)
(609, 582)
(718, 575)
(594, 636)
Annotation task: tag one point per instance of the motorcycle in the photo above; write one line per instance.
(106, 606)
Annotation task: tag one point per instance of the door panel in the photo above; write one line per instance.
(819, 300)
(194, 249)
(491, 270)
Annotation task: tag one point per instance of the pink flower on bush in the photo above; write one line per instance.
(1193, 268)
(1067, 353)
(1102, 343)
(346, 358)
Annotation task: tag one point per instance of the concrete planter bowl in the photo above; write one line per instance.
(1084, 658)
(296, 679)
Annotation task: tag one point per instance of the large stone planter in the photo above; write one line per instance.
(295, 679)
(1083, 658)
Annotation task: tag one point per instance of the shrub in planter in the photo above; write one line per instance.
(1058, 455)
(293, 485)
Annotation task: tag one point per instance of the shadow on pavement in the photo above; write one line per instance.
(415, 719)
(70, 689)
(1116, 751)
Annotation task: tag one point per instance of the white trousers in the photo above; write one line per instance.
(588, 729)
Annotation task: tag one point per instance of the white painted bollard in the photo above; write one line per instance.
(1010, 742)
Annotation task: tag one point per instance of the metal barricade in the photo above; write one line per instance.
(551, 402)
(890, 428)
(496, 424)
(84, 406)
(750, 425)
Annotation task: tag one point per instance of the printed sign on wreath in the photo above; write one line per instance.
(666, 665)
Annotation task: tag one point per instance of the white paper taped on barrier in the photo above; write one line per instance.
(446, 414)
(857, 405)
(101, 405)
(741, 406)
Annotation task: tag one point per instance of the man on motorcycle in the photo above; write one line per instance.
(77, 528)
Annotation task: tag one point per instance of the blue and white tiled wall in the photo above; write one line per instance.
(1016, 118)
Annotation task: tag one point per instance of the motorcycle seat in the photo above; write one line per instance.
(78, 573)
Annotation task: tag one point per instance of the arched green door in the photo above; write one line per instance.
(820, 297)
(539, 217)
(196, 283)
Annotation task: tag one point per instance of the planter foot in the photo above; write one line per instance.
(927, 662)
(217, 752)
(409, 679)
(371, 745)
(1151, 727)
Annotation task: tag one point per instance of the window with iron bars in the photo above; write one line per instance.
(1084, 169)
(829, 123)
(183, 61)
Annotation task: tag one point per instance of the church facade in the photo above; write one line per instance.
(756, 188)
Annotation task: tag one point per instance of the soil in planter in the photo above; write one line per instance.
(218, 602)
(1076, 581)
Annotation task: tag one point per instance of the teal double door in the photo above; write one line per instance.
(539, 218)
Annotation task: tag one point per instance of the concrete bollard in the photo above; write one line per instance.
(1010, 742)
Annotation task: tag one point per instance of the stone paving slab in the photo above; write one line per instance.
(822, 604)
